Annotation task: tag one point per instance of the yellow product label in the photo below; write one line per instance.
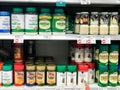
(59, 17)
(104, 29)
(45, 17)
(104, 78)
(19, 77)
(114, 29)
(113, 77)
(103, 57)
(119, 79)
(30, 77)
(51, 76)
(40, 77)
(114, 57)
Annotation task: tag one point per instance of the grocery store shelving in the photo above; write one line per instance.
(67, 1)
(57, 37)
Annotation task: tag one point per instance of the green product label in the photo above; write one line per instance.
(114, 57)
(113, 77)
(103, 78)
(59, 23)
(31, 23)
(103, 57)
(45, 23)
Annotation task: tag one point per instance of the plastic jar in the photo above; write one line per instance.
(84, 23)
(79, 53)
(31, 21)
(88, 53)
(103, 54)
(18, 52)
(94, 23)
(114, 21)
(4, 22)
(45, 21)
(82, 74)
(17, 21)
(77, 23)
(40, 74)
(91, 73)
(59, 22)
(30, 75)
(113, 75)
(18, 74)
(71, 75)
(51, 74)
(61, 75)
(114, 55)
(104, 22)
(7, 75)
(103, 76)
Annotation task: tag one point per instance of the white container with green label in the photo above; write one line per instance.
(17, 21)
(59, 22)
(45, 22)
(31, 21)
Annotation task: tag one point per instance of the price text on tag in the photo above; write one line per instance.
(81, 41)
(90, 40)
(18, 39)
(105, 40)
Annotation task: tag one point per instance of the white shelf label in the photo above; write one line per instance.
(81, 40)
(90, 40)
(18, 39)
(105, 40)
(85, 1)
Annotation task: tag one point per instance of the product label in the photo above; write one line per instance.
(19, 77)
(94, 29)
(40, 77)
(82, 77)
(59, 23)
(94, 19)
(71, 78)
(84, 29)
(103, 29)
(7, 77)
(104, 78)
(0, 77)
(31, 23)
(79, 55)
(84, 19)
(30, 77)
(114, 20)
(17, 23)
(61, 78)
(113, 77)
(104, 19)
(88, 55)
(119, 78)
(4, 24)
(114, 57)
(17, 53)
(51, 77)
(103, 57)
(114, 29)
(91, 73)
(45, 23)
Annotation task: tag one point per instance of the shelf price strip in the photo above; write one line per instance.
(18, 39)
(85, 2)
(105, 40)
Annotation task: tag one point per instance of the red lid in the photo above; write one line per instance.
(83, 68)
(91, 65)
(18, 67)
(18, 63)
(88, 45)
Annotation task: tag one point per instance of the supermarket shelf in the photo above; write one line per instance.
(57, 37)
(67, 1)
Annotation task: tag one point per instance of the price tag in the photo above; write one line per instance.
(85, 1)
(18, 39)
(106, 40)
(60, 3)
(81, 41)
(90, 40)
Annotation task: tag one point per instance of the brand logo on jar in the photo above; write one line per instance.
(40, 74)
(51, 75)
(19, 73)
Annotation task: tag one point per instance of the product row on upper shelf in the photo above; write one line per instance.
(45, 23)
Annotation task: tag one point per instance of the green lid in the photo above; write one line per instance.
(103, 67)
(17, 10)
(30, 9)
(104, 47)
(71, 68)
(45, 10)
(113, 67)
(59, 11)
(7, 67)
(61, 68)
(114, 47)
(9, 61)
